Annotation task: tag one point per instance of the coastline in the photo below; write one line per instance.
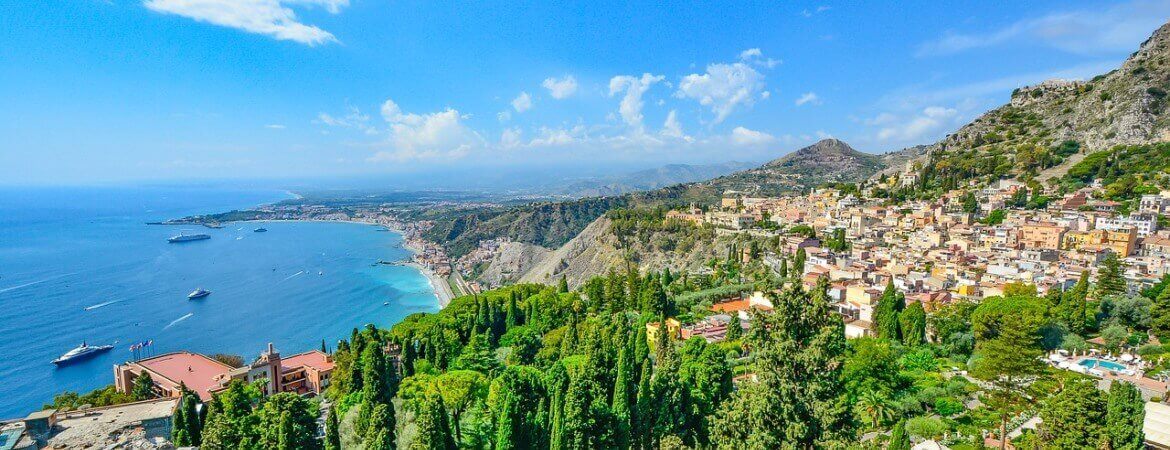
(440, 286)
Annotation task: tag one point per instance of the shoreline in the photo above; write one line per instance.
(441, 288)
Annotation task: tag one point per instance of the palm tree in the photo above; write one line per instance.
(875, 408)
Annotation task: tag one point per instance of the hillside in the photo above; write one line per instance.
(827, 161)
(1049, 127)
(644, 180)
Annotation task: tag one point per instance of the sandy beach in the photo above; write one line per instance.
(441, 287)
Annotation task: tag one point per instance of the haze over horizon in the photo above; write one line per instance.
(156, 90)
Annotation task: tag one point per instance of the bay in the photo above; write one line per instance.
(81, 264)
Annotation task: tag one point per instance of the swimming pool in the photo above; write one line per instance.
(1107, 365)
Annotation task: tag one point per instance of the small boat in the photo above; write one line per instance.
(213, 225)
(82, 351)
(385, 303)
(198, 293)
(260, 230)
(320, 272)
(188, 237)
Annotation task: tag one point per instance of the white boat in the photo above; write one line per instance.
(182, 237)
(82, 351)
(198, 293)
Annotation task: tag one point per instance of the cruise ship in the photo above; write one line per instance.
(82, 351)
(181, 237)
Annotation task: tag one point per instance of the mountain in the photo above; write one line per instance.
(827, 161)
(644, 180)
(1049, 127)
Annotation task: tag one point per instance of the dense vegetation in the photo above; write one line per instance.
(1126, 172)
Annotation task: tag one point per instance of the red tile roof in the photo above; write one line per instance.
(313, 358)
(196, 371)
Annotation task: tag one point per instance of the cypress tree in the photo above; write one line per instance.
(332, 437)
(1073, 305)
(643, 418)
(885, 316)
(1160, 316)
(912, 324)
(180, 429)
(380, 431)
(563, 285)
(798, 263)
(1125, 416)
(734, 327)
(899, 440)
(1110, 278)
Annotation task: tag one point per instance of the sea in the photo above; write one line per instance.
(82, 265)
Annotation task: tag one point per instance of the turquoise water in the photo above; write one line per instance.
(1107, 365)
(81, 265)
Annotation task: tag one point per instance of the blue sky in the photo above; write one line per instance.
(130, 90)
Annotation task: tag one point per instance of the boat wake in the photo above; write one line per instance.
(173, 322)
(293, 275)
(99, 305)
(34, 283)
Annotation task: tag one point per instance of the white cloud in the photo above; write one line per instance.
(267, 17)
(425, 136)
(522, 102)
(724, 87)
(353, 118)
(503, 116)
(510, 137)
(756, 56)
(634, 87)
(1117, 29)
(558, 137)
(744, 136)
(274, 126)
(561, 88)
(930, 120)
(809, 98)
(672, 128)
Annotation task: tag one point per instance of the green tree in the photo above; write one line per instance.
(899, 440)
(1125, 416)
(180, 427)
(563, 285)
(460, 390)
(1073, 307)
(1007, 333)
(380, 431)
(885, 315)
(798, 263)
(1072, 418)
(477, 356)
(1110, 277)
(434, 433)
(332, 436)
(912, 323)
(519, 403)
(287, 421)
(143, 387)
(734, 327)
(798, 400)
(1160, 316)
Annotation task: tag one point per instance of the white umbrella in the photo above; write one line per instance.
(1126, 357)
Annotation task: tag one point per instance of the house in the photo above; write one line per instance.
(140, 425)
(672, 326)
(305, 373)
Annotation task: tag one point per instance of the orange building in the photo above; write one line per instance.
(1041, 236)
(304, 373)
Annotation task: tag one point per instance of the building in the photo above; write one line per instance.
(139, 425)
(305, 373)
(672, 326)
(1145, 225)
(1154, 204)
(1121, 242)
(1045, 236)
